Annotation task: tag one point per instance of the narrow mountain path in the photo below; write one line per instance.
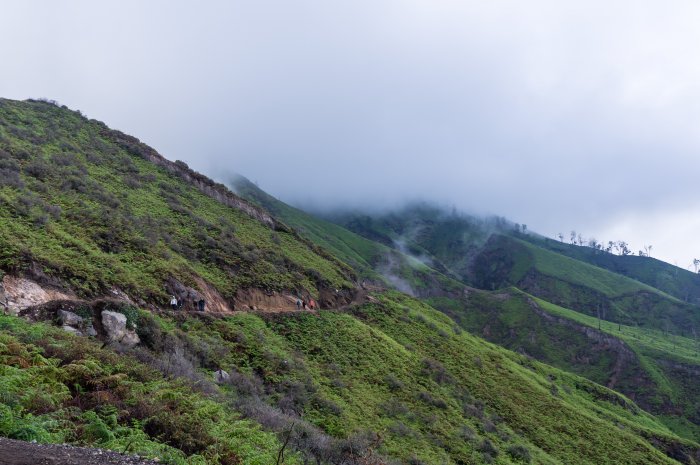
(13, 452)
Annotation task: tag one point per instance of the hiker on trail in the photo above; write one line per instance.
(179, 304)
(303, 304)
(173, 302)
(312, 304)
(200, 305)
(298, 304)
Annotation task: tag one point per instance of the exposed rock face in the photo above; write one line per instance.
(72, 330)
(90, 330)
(69, 318)
(114, 325)
(19, 293)
(221, 376)
(70, 322)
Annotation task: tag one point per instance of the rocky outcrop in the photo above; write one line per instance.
(67, 318)
(114, 325)
(84, 318)
(257, 299)
(71, 322)
(17, 293)
(221, 376)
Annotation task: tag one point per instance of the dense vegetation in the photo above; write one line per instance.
(83, 205)
(395, 377)
(61, 388)
(389, 380)
(654, 368)
(673, 280)
(596, 285)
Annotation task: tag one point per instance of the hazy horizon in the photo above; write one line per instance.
(560, 116)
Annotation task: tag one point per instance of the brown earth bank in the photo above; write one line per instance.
(13, 452)
(18, 294)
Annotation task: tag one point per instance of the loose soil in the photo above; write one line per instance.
(14, 452)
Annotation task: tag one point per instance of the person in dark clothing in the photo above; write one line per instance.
(200, 305)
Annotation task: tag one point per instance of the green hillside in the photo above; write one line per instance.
(490, 253)
(447, 240)
(377, 377)
(395, 377)
(355, 250)
(653, 368)
(506, 261)
(96, 210)
(673, 280)
(373, 260)
(650, 373)
(60, 388)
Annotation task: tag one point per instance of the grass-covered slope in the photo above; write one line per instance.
(626, 360)
(507, 260)
(439, 395)
(392, 381)
(374, 260)
(90, 209)
(673, 280)
(405, 381)
(491, 253)
(447, 240)
(362, 254)
(59, 388)
(653, 368)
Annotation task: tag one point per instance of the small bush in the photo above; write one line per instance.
(435, 370)
(401, 430)
(488, 448)
(520, 453)
(393, 382)
(394, 408)
(427, 398)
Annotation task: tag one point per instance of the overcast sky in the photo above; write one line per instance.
(558, 114)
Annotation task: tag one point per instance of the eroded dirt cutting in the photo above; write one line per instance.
(19, 293)
(13, 452)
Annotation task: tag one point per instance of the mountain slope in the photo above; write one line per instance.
(373, 260)
(652, 368)
(94, 210)
(578, 285)
(491, 253)
(394, 377)
(673, 280)
(103, 229)
(652, 374)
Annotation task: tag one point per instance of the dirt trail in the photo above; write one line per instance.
(18, 294)
(14, 452)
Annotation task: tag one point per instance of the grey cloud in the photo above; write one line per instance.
(556, 114)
